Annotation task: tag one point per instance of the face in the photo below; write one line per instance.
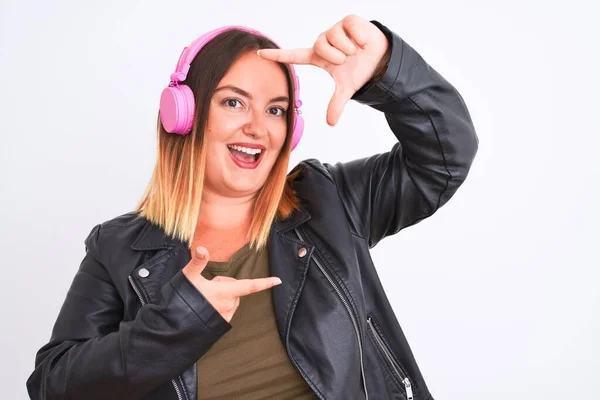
(246, 126)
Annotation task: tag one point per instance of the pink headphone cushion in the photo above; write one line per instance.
(298, 129)
(177, 109)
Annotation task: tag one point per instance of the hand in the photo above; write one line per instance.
(223, 292)
(351, 51)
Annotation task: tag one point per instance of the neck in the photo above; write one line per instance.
(223, 224)
(222, 213)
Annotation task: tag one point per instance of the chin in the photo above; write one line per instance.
(237, 182)
(244, 187)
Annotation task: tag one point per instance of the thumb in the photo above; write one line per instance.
(222, 278)
(200, 258)
(337, 103)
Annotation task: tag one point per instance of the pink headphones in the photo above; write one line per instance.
(177, 103)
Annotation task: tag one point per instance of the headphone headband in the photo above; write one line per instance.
(191, 51)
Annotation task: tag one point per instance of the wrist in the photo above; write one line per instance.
(386, 48)
(383, 65)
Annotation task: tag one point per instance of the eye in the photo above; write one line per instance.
(231, 102)
(277, 111)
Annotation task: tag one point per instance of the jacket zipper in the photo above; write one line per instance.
(402, 374)
(143, 301)
(349, 309)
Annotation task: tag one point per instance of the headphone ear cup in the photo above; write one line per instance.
(298, 130)
(177, 109)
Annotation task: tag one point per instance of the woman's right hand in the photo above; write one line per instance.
(223, 292)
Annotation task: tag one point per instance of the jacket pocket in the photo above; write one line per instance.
(386, 353)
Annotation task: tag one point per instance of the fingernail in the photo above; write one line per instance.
(277, 281)
(258, 52)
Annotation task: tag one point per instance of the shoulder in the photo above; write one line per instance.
(125, 220)
(118, 232)
(316, 188)
(314, 171)
(315, 184)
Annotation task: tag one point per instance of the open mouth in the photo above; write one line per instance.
(245, 157)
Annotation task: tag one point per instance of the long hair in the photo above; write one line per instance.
(173, 197)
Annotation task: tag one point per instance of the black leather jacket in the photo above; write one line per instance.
(132, 326)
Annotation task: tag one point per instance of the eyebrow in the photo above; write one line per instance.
(248, 95)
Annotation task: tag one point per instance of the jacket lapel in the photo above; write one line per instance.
(168, 256)
(286, 263)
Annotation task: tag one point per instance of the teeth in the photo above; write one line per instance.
(246, 150)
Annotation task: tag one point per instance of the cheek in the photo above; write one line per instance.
(221, 125)
(278, 136)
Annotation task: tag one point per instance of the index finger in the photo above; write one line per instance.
(244, 287)
(289, 56)
(356, 29)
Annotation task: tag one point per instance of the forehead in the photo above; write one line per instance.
(257, 76)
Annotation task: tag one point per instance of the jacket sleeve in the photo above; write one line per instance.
(92, 354)
(436, 145)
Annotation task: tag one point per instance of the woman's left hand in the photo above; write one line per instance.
(351, 51)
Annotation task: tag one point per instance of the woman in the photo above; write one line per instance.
(234, 279)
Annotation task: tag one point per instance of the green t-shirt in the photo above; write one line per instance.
(249, 361)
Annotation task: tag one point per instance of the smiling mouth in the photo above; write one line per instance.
(245, 157)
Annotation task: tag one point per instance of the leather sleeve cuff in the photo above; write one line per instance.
(376, 90)
(199, 304)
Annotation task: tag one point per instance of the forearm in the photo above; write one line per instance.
(436, 147)
(139, 355)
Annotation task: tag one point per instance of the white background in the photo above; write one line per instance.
(498, 292)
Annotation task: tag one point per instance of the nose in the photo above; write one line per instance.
(256, 126)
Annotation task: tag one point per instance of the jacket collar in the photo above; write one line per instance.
(298, 216)
(152, 237)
